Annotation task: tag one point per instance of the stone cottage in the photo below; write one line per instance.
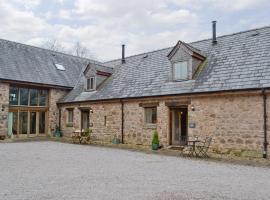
(215, 88)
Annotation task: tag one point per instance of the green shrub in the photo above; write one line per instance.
(155, 139)
(87, 132)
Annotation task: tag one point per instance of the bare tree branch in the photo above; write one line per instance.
(77, 50)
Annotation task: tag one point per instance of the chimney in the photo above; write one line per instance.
(214, 39)
(123, 54)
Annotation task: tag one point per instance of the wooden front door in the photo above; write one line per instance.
(85, 120)
(179, 126)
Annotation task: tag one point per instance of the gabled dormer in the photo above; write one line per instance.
(185, 61)
(95, 75)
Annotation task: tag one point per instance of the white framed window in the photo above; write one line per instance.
(91, 83)
(150, 115)
(180, 70)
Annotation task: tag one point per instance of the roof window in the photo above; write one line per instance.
(60, 67)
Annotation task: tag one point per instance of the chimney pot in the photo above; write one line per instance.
(214, 30)
(123, 54)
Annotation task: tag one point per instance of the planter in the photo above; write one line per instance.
(57, 134)
(155, 146)
(116, 141)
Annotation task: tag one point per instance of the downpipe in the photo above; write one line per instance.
(265, 142)
(122, 121)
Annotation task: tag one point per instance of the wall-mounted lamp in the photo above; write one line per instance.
(3, 108)
(192, 108)
(91, 111)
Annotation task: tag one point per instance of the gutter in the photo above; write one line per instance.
(164, 95)
(265, 142)
(122, 121)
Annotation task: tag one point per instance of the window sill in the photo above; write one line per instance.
(150, 126)
(69, 124)
(181, 80)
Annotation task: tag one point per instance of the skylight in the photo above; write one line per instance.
(60, 67)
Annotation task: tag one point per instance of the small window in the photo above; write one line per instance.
(90, 83)
(151, 115)
(70, 116)
(180, 71)
(60, 67)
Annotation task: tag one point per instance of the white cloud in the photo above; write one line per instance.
(64, 14)
(143, 25)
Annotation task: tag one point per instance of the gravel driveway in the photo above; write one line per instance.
(51, 170)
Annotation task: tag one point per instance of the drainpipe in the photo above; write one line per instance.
(265, 143)
(59, 122)
(122, 121)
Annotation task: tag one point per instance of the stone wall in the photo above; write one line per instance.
(4, 102)
(109, 112)
(53, 114)
(233, 120)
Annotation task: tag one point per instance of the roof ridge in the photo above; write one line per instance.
(138, 54)
(53, 51)
(190, 43)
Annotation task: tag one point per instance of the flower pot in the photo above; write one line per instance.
(116, 141)
(57, 134)
(155, 146)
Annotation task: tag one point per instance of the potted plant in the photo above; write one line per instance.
(115, 140)
(57, 132)
(155, 141)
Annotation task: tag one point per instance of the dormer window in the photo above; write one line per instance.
(180, 71)
(91, 83)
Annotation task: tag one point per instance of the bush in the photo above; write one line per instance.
(87, 132)
(155, 139)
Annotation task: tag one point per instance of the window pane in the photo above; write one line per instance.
(23, 122)
(92, 83)
(43, 97)
(180, 70)
(13, 96)
(14, 122)
(88, 84)
(154, 115)
(33, 122)
(70, 116)
(33, 97)
(150, 115)
(24, 96)
(42, 122)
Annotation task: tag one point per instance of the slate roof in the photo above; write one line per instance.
(237, 61)
(26, 63)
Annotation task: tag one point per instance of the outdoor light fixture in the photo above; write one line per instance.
(3, 108)
(192, 108)
(91, 111)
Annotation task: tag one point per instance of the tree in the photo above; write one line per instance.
(77, 49)
(54, 45)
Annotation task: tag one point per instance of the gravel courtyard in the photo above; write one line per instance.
(51, 170)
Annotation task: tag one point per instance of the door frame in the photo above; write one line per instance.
(29, 110)
(171, 121)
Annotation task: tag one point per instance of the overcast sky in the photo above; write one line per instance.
(143, 25)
